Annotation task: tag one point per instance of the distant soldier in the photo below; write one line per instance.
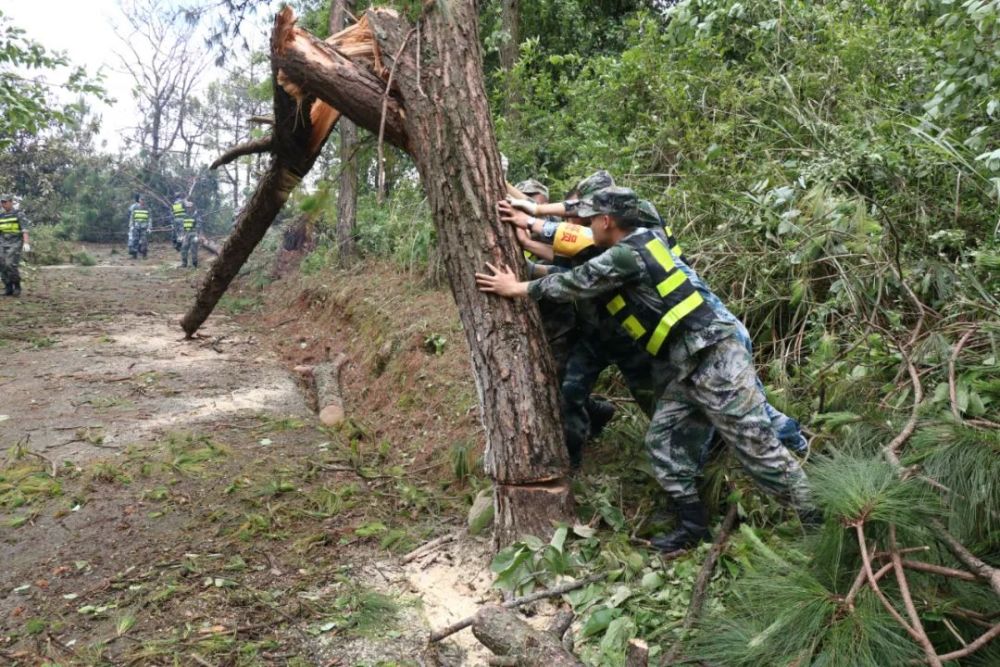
(13, 240)
(138, 228)
(180, 212)
(190, 227)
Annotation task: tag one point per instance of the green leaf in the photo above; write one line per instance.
(599, 621)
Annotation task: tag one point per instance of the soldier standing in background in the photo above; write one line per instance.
(190, 227)
(13, 240)
(180, 212)
(138, 228)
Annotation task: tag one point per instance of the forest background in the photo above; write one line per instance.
(832, 167)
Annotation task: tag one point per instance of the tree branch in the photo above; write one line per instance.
(920, 635)
(262, 145)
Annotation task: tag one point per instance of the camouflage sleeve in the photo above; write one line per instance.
(604, 273)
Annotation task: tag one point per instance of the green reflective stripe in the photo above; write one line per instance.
(672, 282)
(9, 225)
(188, 223)
(633, 327)
(660, 253)
(178, 209)
(140, 215)
(673, 316)
(677, 250)
(616, 304)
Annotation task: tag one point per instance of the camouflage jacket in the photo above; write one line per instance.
(620, 267)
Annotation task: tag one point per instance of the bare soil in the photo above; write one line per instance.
(170, 501)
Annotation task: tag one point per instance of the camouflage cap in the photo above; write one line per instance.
(619, 202)
(644, 215)
(599, 180)
(532, 187)
(6, 197)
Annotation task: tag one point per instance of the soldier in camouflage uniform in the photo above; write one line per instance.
(560, 321)
(606, 344)
(13, 239)
(703, 373)
(190, 227)
(138, 228)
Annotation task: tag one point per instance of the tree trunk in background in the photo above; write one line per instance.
(510, 19)
(347, 194)
(451, 139)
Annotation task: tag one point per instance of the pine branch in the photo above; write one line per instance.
(911, 609)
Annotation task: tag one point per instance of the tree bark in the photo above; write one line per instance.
(347, 193)
(502, 632)
(452, 142)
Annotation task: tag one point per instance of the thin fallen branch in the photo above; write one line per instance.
(700, 589)
(438, 635)
(911, 610)
(952, 385)
(427, 548)
(931, 568)
(892, 449)
(859, 530)
(261, 120)
(976, 644)
(987, 573)
(252, 147)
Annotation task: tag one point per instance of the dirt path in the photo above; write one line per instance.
(94, 360)
(165, 501)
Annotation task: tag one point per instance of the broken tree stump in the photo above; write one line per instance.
(329, 398)
(210, 245)
(503, 632)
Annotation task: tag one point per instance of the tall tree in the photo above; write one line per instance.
(347, 194)
(159, 55)
(447, 129)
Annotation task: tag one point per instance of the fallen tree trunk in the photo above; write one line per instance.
(504, 633)
(329, 399)
(210, 245)
(302, 124)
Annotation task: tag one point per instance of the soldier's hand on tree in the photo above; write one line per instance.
(503, 281)
(512, 216)
(522, 237)
(526, 205)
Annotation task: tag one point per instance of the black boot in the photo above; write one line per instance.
(8, 289)
(601, 412)
(16, 291)
(691, 530)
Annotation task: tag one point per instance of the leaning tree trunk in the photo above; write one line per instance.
(453, 145)
(347, 193)
(447, 130)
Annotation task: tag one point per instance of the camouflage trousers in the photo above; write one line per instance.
(189, 246)
(588, 359)
(788, 430)
(10, 257)
(721, 393)
(138, 240)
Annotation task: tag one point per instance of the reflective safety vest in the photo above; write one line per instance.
(10, 223)
(140, 217)
(680, 304)
(188, 224)
(178, 209)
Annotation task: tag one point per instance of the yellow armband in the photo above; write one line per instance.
(570, 239)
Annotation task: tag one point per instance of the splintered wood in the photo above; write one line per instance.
(356, 43)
